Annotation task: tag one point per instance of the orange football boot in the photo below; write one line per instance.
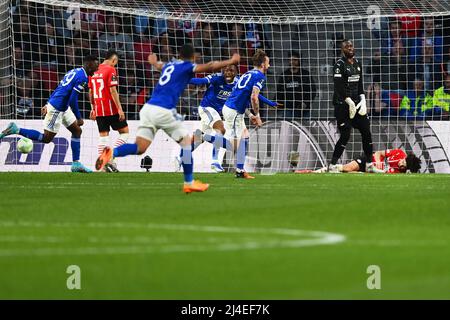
(104, 158)
(244, 175)
(196, 186)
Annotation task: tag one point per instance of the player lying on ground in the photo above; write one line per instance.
(219, 89)
(244, 93)
(106, 108)
(160, 112)
(388, 161)
(57, 112)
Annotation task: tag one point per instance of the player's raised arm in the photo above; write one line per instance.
(153, 60)
(217, 65)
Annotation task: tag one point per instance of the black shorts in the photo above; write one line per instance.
(107, 122)
(342, 115)
(362, 162)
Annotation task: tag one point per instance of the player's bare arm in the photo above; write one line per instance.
(217, 65)
(153, 60)
(255, 106)
(92, 114)
(116, 99)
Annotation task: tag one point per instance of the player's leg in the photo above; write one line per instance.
(216, 165)
(144, 138)
(52, 122)
(122, 128)
(168, 121)
(345, 128)
(75, 141)
(242, 148)
(362, 123)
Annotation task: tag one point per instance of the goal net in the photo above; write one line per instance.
(404, 48)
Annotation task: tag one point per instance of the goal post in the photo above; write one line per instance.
(403, 46)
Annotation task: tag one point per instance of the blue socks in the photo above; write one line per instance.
(188, 164)
(240, 155)
(75, 146)
(219, 141)
(31, 134)
(125, 150)
(215, 154)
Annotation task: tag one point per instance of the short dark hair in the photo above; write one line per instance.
(259, 58)
(295, 54)
(413, 163)
(111, 53)
(344, 41)
(90, 58)
(187, 51)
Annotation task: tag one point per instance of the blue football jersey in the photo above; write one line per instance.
(240, 96)
(75, 79)
(218, 91)
(174, 78)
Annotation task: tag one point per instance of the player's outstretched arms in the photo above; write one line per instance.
(217, 65)
(153, 60)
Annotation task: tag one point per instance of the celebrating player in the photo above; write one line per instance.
(245, 92)
(105, 103)
(387, 161)
(57, 112)
(160, 112)
(219, 89)
(349, 102)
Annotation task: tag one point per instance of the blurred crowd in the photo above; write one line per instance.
(408, 73)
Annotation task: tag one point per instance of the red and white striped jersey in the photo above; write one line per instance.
(100, 84)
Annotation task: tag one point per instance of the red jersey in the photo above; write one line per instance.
(100, 83)
(391, 159)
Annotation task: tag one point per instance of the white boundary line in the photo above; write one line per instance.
(313, 238)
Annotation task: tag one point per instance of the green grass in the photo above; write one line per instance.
(127, 233)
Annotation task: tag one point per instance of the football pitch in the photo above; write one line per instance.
(284, 236)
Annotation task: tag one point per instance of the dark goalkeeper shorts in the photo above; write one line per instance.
(341, 113)
(362, 162)
(105, 123)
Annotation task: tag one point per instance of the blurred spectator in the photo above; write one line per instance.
(26, 107)
(24, 31)
(163, 48)
(426, 68)
(177, 38)
(232, 48)
(441, 101)
(428, 37)
(129, 90)
(73, 57)
(92, 21)
(22, 67)
(51, 45)
(416, 101)
(188, 26)
(114, 38)
(394, 37)
(142, 49)
(382, 103)
(295, 90)
(390, 71)
(207, 43)
(160, 25)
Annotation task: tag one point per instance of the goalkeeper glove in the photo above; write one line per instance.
(351, 107)
(362, 105)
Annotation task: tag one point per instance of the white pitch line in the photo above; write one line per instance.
(307, 238)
